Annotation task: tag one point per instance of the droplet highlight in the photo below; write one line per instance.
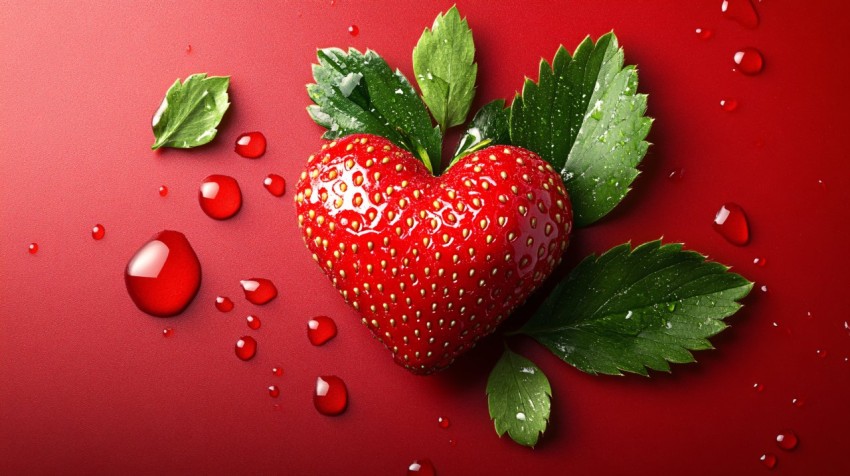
(731, 223)
(251, 145)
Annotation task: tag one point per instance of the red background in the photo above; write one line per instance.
(89, 385)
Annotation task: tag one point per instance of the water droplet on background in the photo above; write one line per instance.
(728, 104)
(821, 353)
(787, 440)
(704, 33)
(353, 30)
(768, 460)
(676, 174)
(32, 248)
(188, 49)
(251, 145)
(253, 322)
(742, 11)
(421, 467)
(731, 223)
(258, 290)
(321, 329)
(443, 422)
(223, 304)
(331, 397)
(246, 348)
(167, 332)
(798, 402)
(220, 197)
(164, 275)
(758, 387)
(98, 232)
(275, 184)
(277, 371)
(749, 61)
(761, 262)
(163, 191)
(274, 392)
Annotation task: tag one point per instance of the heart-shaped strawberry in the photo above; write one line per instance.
(432, 263)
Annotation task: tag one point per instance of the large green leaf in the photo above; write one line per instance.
(585, 117)
(190, 112)
(629, 310)
(518, 395)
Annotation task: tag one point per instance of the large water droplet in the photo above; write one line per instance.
(731, 223)
(220, 197)
(164, 275)
(251, 145)
(321, 329)
(258, 290)
(749, 61)
(331, 397)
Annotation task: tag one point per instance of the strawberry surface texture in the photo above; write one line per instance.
(432, 263)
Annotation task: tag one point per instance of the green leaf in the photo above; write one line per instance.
(443, 62)
(585, 117)
(633, 310)
(190, 112)
(518, 396)
(359, 93)
(488, 127)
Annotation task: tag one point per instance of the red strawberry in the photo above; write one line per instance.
(432, 263)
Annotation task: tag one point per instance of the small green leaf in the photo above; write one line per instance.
(518, 396)
(359, 93)
(585, 117)
(488, 127)
(443, 62)
(633, 309)
(190, 112)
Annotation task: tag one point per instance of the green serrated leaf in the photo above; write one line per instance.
(443, 61)
(488, 127)
(359, 93)
(630, 310)
(518, 395)
(190, 112)
(584, 116)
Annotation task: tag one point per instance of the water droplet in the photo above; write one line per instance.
(731, 223)
(188, 49)
(223, 304)
(220, 197)
(421, 467)
(274, 392)
(164, 275)
(163, 191)
(32, 248)
(809, 315)
(253, 322)
(520, 416)
(443, 422)
(749, 61)
(452, 442)
(353, 30)
(821, 353)
(742, 11)
(704, 33)
(798, 402)
(98, 232)
(275, 184)
(768, 460)
(822, 184)
(728, 104)
(258, 290)
(251, 145)
(764, 288)
(321, 329)
(676, 174)
(277, 371)
(331, 397)
(167, 332)
(758, 387)
(760, 262)
(787, 440)
(246, 348)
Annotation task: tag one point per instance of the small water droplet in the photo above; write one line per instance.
(749, 61)
(443, 422)
(353, 30)
(728, 104)
(251, 145)
(277, 371)
(787, 440)
(731, 223)
(258, 290)
(253, 322)
(331, 397)
(809, 315)
(798, 402)
(676, 174)
(764, 288)
(321, 329)
(167, 332)
(421, 467)
(274, 392)
(189, 49)
(32, 248)
(761, 262)
(98, 232)
(452, 442)
(275, 184)
(822, 184)
(758, 387)
(220, 197)
(821, 353)
(163, 191)
(223, 304)
(246, 348)
(768, 460)
(742, 11)
(704, 33)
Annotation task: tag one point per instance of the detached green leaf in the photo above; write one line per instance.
(190, 112)
(518, 396)
(585, 117)
(630, 310)
(488, 127)
(443, 62)
(359, 93)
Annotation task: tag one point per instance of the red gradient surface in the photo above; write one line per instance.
(90, 386)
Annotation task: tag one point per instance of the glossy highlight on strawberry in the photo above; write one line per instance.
(433, 264)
